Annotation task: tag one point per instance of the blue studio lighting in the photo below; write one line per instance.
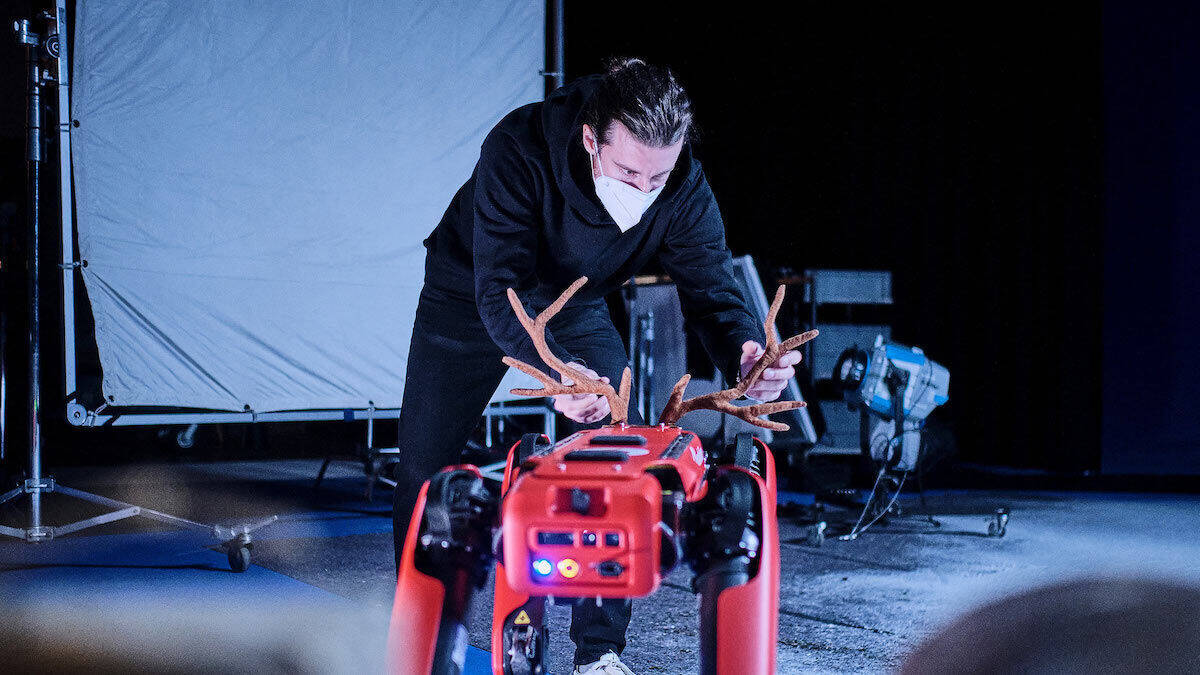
(543, 567)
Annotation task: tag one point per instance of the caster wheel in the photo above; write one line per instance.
(999, 524)
(185, 440)
(239, 558)
(816, 534)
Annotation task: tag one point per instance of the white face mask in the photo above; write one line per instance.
(624, 202)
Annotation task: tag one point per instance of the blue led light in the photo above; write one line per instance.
(543, 567)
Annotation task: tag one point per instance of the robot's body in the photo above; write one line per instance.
(603, 513)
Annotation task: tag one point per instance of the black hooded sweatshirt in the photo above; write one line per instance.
(529, 218)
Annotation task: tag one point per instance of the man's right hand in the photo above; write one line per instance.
(583, 408)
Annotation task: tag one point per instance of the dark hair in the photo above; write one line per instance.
(646, 99)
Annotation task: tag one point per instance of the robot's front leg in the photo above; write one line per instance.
(446, 556)
(733, 548)
(519, 634)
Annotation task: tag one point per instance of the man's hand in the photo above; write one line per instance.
(774, 377)
(583, 408)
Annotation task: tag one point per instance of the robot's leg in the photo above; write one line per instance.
(733, 548)
(446, 556)
(519, 635)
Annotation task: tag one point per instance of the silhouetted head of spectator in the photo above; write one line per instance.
(1082, 626)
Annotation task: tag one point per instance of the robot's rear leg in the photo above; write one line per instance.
(446, 557)
(733, 548)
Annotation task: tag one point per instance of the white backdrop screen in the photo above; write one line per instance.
(254, 180)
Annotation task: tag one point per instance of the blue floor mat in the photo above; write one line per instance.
(176, 565)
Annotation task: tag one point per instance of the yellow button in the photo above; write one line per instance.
(568, 568)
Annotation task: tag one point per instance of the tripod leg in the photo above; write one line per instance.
(734, 551)
(445, 558)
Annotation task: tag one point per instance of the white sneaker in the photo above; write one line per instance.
(608, 664)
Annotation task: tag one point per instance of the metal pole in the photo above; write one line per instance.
(651, 414)
(556, 65)
(3, 381)
(630, 291)
(812, 320)
(4, 246)
(33, 162)
(57, 46)
(642, 328)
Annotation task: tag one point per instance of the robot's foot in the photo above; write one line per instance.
(519, 635)
(525, 650)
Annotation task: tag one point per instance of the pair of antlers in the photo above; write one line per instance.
(676, 407)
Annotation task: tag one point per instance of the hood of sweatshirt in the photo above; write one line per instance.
(563, 130)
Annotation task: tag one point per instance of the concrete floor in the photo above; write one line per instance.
(846, 606)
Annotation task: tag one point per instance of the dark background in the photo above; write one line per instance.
(1151, 280)
(1029, 176)
(963, 155)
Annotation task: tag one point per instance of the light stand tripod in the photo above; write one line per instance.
(236, 541)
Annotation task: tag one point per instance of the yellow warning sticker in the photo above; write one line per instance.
(522, 619)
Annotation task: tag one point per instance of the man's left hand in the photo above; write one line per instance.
(774, 377)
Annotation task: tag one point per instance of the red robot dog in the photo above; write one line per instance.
(603, 513)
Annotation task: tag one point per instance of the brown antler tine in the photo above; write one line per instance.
(751, 413)
(759, 422)
(562, 299)
(529, 370)
(769, 322)
(674, 410)
(623, 395)
(580, 383)
(773, 407)
(550, 387)
(797, 340)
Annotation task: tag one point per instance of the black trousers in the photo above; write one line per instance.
(453, 369)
